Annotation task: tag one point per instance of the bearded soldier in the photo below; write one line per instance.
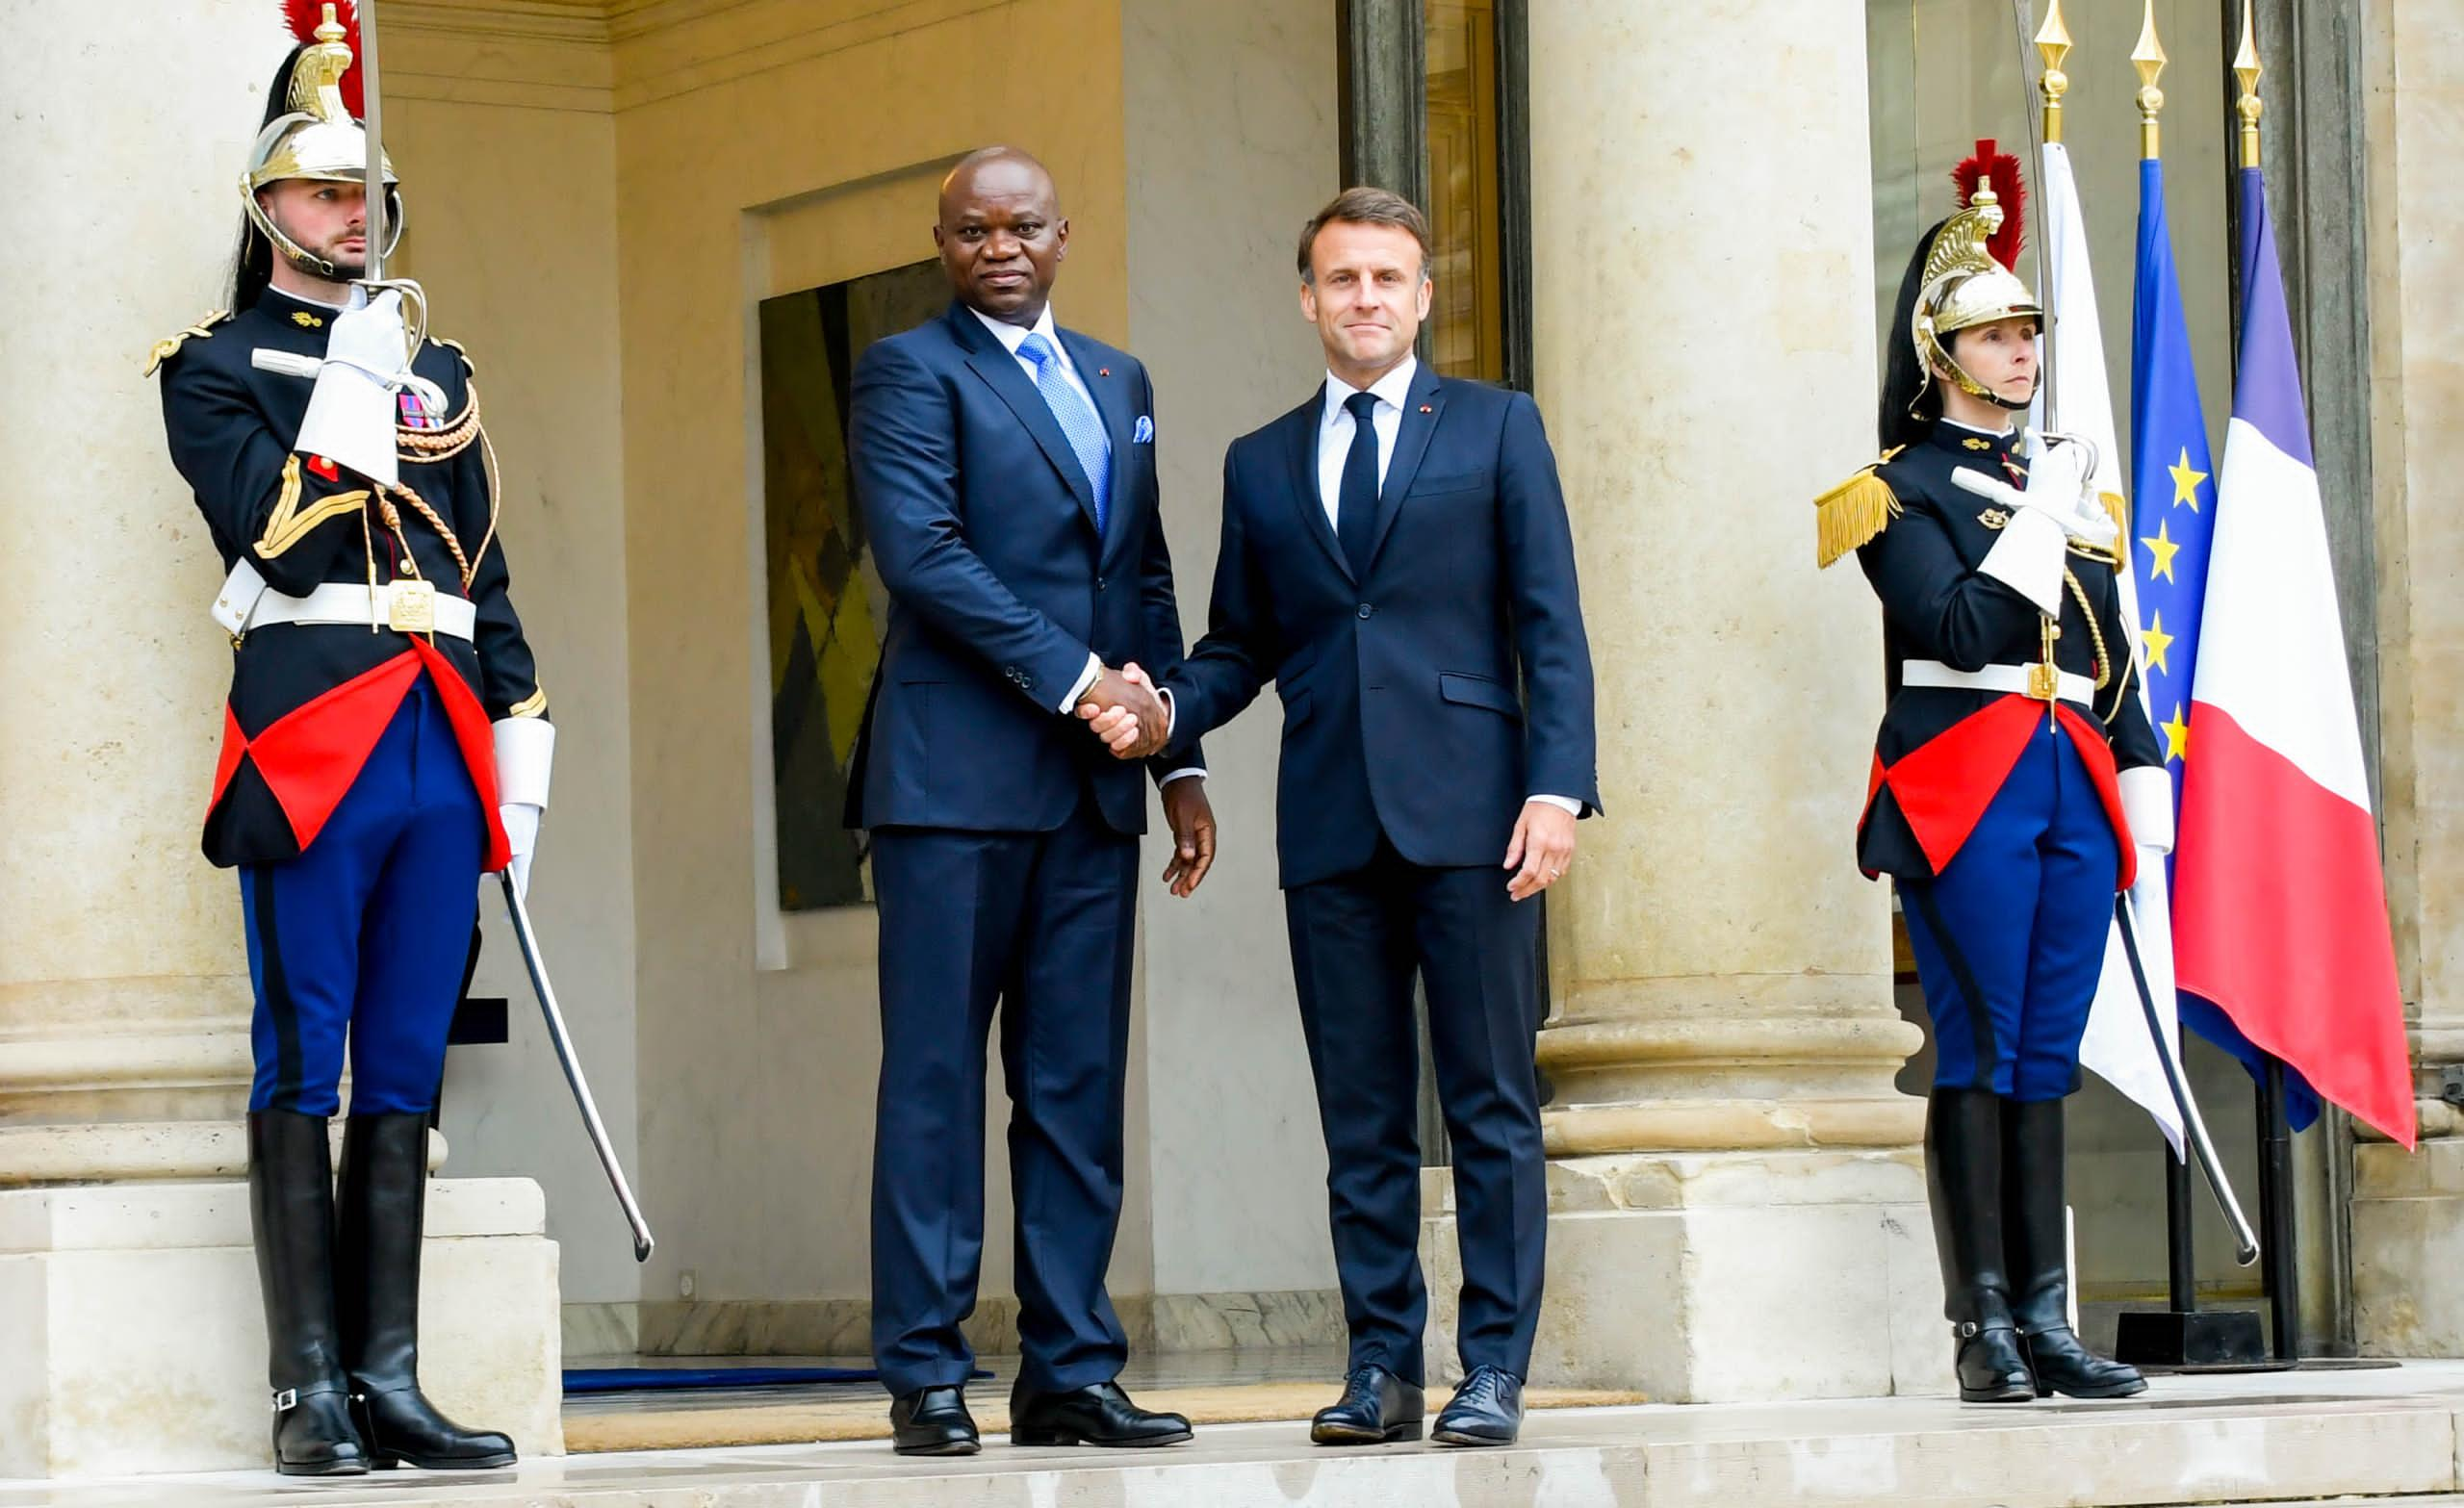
(361, 791)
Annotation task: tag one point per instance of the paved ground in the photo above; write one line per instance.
(2267, 1438)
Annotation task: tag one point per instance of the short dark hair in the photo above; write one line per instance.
(1364, 206)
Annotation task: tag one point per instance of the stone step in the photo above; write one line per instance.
(2287, 1438)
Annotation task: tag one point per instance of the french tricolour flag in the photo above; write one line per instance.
(2279, 908)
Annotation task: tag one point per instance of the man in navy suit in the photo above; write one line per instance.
(1006, 470)
(1396, 558)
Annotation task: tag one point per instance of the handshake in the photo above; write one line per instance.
(1127, 713)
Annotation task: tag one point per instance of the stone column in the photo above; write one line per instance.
(127, 1287)
(1737, 1202)
(2409, 1211)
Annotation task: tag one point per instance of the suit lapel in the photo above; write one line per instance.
(1301, 447)
(1112, 402)
(1423, 407)
(1000, 369)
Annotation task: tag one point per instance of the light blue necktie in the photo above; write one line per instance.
(1078, 420)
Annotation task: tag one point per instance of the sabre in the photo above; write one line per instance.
(2246, 1241)
(564, 1042)
(373, 184)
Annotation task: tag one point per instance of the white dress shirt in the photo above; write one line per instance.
(1335, 428)
(1012, 337)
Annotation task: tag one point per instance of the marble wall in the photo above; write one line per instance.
(1232, 144)
(111, 675)
(508, 162)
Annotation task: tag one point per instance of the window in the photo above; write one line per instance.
(1466, 324)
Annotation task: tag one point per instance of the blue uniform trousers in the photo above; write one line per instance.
(2010, 938)
(363, 937)
(1041, 925)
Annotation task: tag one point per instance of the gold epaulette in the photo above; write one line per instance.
(1852, 512)
(455, 347)
(169, 346)
(2119, 509)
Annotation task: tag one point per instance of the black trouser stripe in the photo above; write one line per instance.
(279, 1006)
(1980, 1021)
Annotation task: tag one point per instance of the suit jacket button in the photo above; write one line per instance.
(1368, 611)
(1100, 583)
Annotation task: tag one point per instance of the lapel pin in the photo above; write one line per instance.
(1425, 409)
(1103, 372)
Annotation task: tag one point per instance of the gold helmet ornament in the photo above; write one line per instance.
(312, 128)
(1968, 278)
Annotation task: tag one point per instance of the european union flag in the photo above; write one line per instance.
(2172, 478)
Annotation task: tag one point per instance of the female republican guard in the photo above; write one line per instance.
(2012, 780)
(361, 791)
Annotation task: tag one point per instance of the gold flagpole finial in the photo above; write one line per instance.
(2246, 70)
(2053, 44)
(2149, 58)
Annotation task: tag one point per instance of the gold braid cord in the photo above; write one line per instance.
(394, 520)
(2096, 637)
(429, 446)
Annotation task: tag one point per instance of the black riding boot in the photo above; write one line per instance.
(291, 1210)
(1964, 1178)
(384, 1201)
(2033, 1225)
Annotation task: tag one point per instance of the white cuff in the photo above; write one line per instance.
(351, 421)
(2028, 558)
(1087, 678)
(1565, 804)
(1194, 771)
(2148, 806)
(525, 748)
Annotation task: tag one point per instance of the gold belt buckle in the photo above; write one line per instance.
(2044, 682)
(411, 607)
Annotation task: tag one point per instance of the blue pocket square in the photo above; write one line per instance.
(1144, 432)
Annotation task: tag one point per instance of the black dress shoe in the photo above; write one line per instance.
(2063, 1365)
(1100, 1415)
(1487, 1410)
(1378, 1407)
(933, 1421)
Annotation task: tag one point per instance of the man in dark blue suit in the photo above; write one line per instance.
(1396, 558)
(1006, 470)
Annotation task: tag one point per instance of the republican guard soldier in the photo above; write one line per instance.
(384, 744)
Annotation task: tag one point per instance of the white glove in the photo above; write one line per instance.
(2058, 488)
(2148, 806)
(350, 414)
(522, 835)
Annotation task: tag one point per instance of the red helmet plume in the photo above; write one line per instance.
(304, 16)
(2000, 173)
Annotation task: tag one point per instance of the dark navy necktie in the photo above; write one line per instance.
(1356, 504)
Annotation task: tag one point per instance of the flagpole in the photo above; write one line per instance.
(2181, 1237)
(2023, 11)
(2283, 1278)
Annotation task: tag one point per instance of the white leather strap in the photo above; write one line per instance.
(247, 605)
(2010, 679)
